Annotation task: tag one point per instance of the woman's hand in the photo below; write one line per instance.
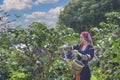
(61, 48)
(76, 52)
(64, 48)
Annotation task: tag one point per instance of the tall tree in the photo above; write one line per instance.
(81, 14)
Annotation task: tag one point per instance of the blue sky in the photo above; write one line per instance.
(44, 11)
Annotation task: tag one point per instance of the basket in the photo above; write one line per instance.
(77, 67)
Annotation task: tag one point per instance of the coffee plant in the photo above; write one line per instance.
(107, 38)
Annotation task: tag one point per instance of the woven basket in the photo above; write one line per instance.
(77, 67)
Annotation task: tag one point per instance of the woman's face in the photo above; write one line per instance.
(82, 40)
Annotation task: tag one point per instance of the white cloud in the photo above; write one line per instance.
(11, 24)
(35, 15)
(16, 23)
(16, 4)
(46, 1)
(54, 13)
(27, 20)
(48, 23)
(23, 4)
(45, 17)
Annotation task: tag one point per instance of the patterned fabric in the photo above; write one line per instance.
(77, 77)
(88, 53)
(85, 74)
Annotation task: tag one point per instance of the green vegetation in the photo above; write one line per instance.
(107, 38)
(22, 47)
(81, 15)
(32, 53)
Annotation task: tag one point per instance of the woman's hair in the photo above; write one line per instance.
(87, 37)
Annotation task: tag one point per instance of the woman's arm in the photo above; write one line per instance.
(69, 47)
(89, 54)
(85, 55)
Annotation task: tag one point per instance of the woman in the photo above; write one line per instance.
(85, 53)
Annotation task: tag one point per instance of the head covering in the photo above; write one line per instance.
(87, 37)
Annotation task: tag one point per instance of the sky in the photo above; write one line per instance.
(44, 11)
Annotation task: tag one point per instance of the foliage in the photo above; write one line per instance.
(107, 37)
(61, 70)
(32, 53)
(81, 15)
(29, 53)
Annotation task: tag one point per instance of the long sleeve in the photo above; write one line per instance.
(75, 47)
(89, 53)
